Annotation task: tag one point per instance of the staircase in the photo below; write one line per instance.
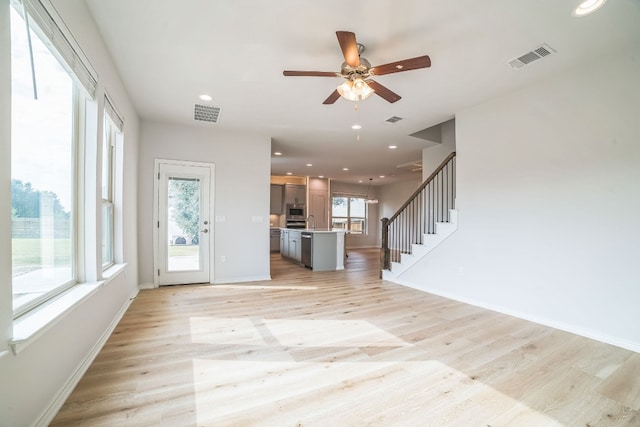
(424, 221)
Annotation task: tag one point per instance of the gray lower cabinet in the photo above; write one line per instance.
(295, 248)
(290, 244)
(323, 251)
(284, 243)
(274, 240)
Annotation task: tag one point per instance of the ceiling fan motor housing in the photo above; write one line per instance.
(362, 70)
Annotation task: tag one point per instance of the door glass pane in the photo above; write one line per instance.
(183, 229)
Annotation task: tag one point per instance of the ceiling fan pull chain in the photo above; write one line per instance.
(357, 126)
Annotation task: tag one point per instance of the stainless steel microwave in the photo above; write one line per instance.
(296, 210)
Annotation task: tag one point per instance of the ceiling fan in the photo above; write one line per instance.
(357, 72)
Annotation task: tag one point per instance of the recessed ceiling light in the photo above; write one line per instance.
(277, 153)
(381, 176)
(356, 127)
(588, 6)
(309, 164)
(320, 176)
(345, 169)
(205, 97)
(393, 147)
(289, 173)
(360, 181)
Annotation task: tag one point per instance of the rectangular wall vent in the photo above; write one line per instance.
(394, 119)
(206, 113)
(537, 53)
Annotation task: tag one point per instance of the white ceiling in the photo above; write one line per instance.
(169, 52)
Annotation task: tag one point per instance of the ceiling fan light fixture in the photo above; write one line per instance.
(355, 90)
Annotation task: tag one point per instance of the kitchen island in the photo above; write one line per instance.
(320, 250)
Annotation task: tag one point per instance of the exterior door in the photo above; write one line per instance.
(184, 232)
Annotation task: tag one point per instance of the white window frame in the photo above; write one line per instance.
(44, 25)
(365, 219)
(108, 199)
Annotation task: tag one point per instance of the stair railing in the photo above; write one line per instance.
(418, 216)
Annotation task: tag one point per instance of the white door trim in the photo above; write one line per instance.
(156, 213)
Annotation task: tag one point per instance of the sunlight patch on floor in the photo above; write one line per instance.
(412, 393)
(331, 333)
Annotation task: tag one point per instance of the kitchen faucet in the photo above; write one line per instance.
(309, 218)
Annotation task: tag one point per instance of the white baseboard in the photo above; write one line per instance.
(241, 279)
(146, 286)
(628, 345)
(60, 398)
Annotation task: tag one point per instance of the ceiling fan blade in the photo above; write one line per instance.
(406, 65)
(383, 91)
(311, 73)
(349, 47)
(332, 98)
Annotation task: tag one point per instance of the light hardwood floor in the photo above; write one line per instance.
(344, 349)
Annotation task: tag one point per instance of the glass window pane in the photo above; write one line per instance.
(107, 234)
(184, 224)
(357, 225)
(106, 159)
(42, 171)
(357, 207)
(340, 206)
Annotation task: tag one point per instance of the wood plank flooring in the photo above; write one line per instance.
(344, 349)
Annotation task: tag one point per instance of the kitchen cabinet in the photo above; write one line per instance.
(295, 193)
(295, 248)
(274, 239)
(276, 199)
(290, 244)
(326, 251)
(319, 202)
(284, 243)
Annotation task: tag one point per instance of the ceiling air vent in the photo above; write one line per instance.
(206, 113)
(394, 119)
(537, 53)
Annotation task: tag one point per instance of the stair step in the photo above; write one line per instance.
(418, 251)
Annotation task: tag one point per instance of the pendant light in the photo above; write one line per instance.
(367, 199)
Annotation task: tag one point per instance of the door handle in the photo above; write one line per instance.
(204, 231)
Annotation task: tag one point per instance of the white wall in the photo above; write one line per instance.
(549, 204)
(35, 379)
(433, 156)
(392, 196)
(242, 190)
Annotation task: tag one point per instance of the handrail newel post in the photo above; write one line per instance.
(384, 248)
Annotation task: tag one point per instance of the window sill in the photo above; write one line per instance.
(28, 327)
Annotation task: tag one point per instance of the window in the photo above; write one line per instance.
(113, 124)
(46, 94)
(108, 157)
(349, 213)
(42, 172)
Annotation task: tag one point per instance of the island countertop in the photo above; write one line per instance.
(315, 230)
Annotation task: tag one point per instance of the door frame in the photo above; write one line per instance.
(156, 213)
